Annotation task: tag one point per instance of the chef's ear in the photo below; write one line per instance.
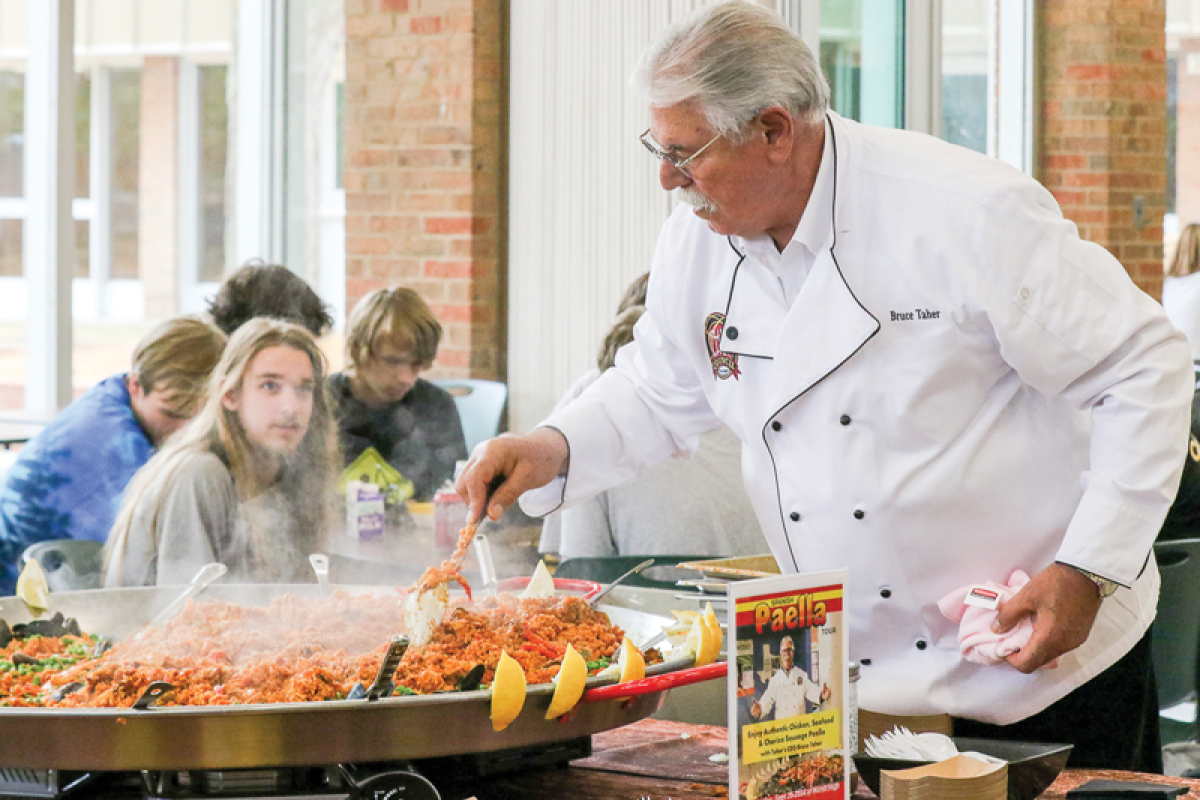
(231, 399)
(778, 126)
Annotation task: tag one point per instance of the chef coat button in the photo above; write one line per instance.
(866, 662)
(731, 333)
(795, 515)
(845, 419)
(1024, 293)
(885, 593)
(922, 644)
(859, 513)
(776, 425)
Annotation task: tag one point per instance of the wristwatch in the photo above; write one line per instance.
(1104, 586)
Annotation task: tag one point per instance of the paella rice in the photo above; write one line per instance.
(295, 650)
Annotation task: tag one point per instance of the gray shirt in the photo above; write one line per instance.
(201, 521)
(684, 506)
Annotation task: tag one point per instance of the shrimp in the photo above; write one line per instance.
(426, 601)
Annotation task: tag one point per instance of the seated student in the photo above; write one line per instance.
(684, 506)
(268, 290)
(383, 402)
(67, 481)
(246, 483)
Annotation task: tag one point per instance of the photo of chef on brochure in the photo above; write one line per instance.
(787, 695)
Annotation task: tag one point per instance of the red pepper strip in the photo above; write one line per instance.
(537, 648)
(544, 647)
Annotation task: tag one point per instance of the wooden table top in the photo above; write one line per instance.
(657, 759)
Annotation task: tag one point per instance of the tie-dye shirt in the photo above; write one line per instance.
(67, 481)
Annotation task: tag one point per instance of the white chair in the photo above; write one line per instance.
(69, 564)
(480, 405)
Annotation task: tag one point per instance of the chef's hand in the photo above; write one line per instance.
(826, 693)
(523, 462)
(1062, 604)
(755, 710)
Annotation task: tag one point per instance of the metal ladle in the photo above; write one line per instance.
(207, 574)
(596, 597)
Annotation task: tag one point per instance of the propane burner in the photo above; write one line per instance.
(391, 780)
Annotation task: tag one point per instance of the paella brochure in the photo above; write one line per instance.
(788, 688)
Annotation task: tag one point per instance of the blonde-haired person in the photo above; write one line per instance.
(1181, 287)
(382, 401)
(67, 481)
(246, 482)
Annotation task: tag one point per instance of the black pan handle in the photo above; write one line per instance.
(382, 687)
(154, 692)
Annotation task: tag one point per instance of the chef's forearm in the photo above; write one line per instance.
(1139, 440)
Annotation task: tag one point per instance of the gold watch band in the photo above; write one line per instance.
(1104, 586)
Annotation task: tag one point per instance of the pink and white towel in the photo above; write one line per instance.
(975, 638)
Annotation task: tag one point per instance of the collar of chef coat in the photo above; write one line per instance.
(826, 324)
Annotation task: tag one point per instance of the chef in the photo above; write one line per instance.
(789, 687)
(935, 383)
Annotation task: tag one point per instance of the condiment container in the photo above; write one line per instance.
(449, 517)
(364, 510)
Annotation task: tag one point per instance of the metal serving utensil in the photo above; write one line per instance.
(207, 574)
(483, 550)
(320, 565)
(596, 597)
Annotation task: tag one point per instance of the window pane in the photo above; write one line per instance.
(1183, 122)
(126, 124)
(862, 46)
(214, 155)
(83, 127)
(12, 133)
(965, 73)
(10, 247)
(316, 205)
(81, 248)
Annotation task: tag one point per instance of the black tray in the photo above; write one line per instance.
(1032, 767)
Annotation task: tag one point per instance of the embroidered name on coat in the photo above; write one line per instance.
(915, 314)
(724, 365)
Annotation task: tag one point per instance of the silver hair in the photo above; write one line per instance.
(733, 60)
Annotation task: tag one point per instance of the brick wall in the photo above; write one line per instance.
(1103, 128)
(424, 128)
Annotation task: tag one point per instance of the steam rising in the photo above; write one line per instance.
(288, 628)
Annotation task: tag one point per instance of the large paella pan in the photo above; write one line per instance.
(303, 733)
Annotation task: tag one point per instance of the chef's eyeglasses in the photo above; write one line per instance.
(678, 163)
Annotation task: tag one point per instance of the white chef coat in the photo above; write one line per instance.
(961, 388)
(787, 691)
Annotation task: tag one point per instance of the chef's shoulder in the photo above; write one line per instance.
(911, 167)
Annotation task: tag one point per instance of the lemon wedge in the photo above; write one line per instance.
(508, 692)
(714, 627)
(568, 684)
(541, 584)
(685, 617)
(32, 586)
(633, 665)
(700, 643)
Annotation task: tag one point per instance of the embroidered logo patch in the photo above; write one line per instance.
(724, 365)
